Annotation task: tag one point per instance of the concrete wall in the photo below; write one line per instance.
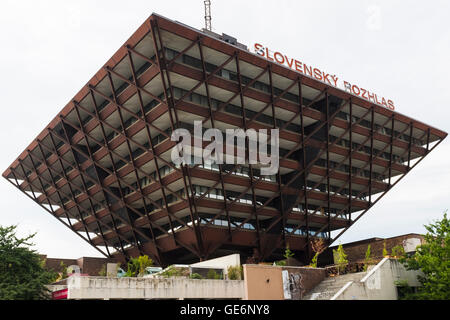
(379, 283)
(152, 288)
(301, 280)
(263, 282)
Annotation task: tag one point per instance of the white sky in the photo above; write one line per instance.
(399, 49)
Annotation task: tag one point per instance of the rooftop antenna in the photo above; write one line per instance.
(208, 15)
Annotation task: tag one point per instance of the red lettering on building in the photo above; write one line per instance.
(320, 75)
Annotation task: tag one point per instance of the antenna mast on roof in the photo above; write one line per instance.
(208, 15)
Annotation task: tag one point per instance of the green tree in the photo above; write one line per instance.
(385, 252)
(368, 259)
(433, 259)
(22, 272)
(340, 258)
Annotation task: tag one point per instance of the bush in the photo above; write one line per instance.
(288, 253)
(212, 274)
(314, 260)
(398, 251)
(136, 266)
(195, 276)
(340, 258)
(368, 259)
(385, 253)
(235, 273)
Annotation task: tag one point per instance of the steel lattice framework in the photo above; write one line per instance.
(102, 167)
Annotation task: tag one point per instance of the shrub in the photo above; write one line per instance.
(235, 273)
(136, 266)
(368, 259)
(212, 274)
(340, 258)
(385, 253)
(288, 253)
(314, 260)
(398, 251)
(195, 276)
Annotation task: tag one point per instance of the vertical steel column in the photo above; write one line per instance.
(116, 174)
(282, 209)
(130, 153)
(350, 166)
(211, 115)
(410, 144)
(371, 154)
(244, 118)
(306, 172)
(327, 111)
(161, 60)
(391, 152)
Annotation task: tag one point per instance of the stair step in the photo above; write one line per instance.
(330, 286)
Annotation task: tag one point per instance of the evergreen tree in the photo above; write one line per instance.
(340, 258)
(368, 258)
(385, 252)
(22, 273)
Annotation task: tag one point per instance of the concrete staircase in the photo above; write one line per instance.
(330, 286)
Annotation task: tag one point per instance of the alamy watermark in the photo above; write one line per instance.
(231, 150)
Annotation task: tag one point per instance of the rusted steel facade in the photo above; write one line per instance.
(103, 167)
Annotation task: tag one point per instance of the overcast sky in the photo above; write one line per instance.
(399, 49)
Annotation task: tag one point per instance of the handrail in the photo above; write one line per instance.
(345, 287)
(371, 272)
